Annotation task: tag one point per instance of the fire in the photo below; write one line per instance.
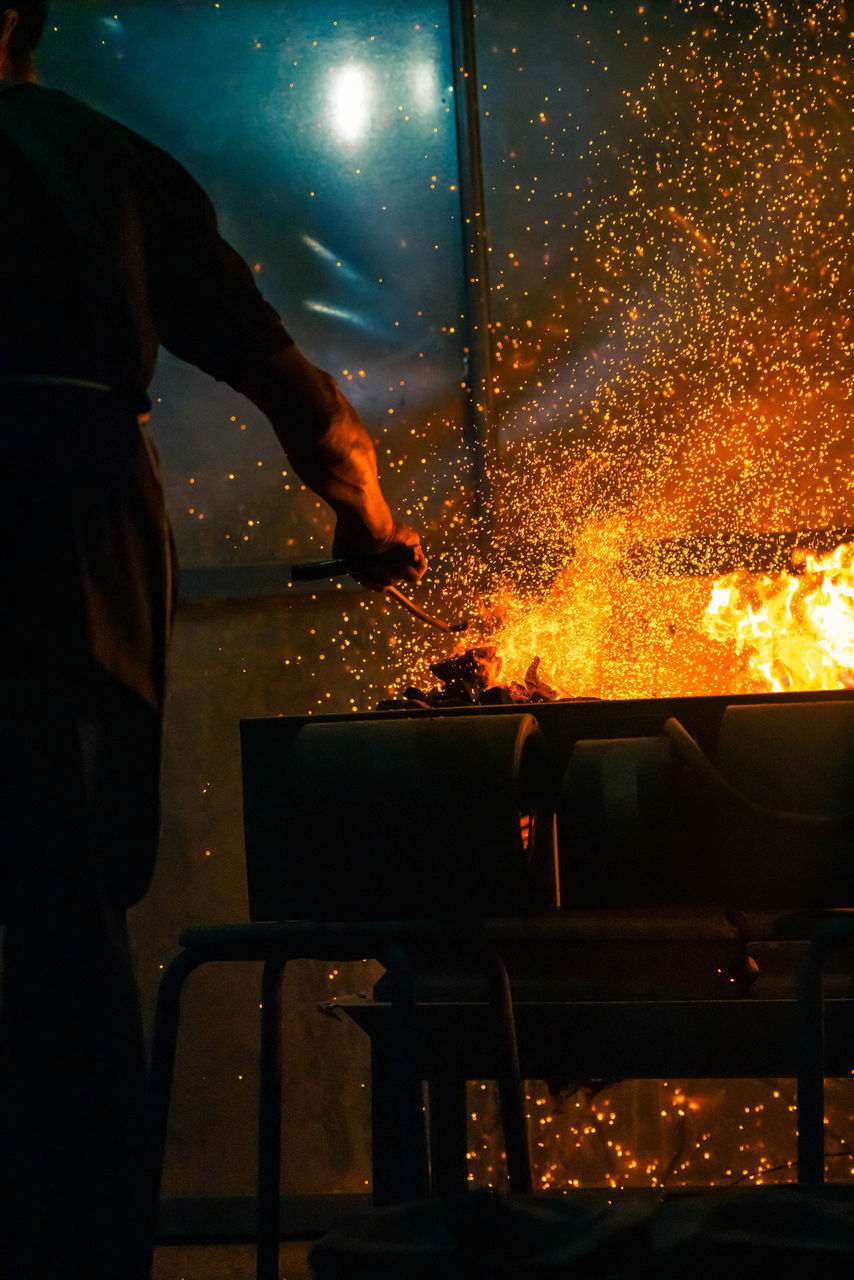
(601, 632)
(795, 630)
(568, 624)
(598, 631)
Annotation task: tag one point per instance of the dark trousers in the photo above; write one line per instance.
(78, 821)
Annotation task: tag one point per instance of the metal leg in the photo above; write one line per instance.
(270, 1121)
(448, 1136)
(401, 1172)
(811, 1067)
(162, 1068)
(384, 1136)
(511, 1093)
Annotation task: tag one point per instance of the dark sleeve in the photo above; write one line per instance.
(204, 300)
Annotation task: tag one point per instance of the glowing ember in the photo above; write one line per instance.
(598, 632)
(797, 632)
(567, 625)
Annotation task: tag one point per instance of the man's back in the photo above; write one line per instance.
(110, 248)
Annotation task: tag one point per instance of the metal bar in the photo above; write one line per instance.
(233, 583)
(384, 1135)
(509, 1075)
(811, 1067)
(417, 612)
(164, 1044)
(448, 1135)
(481, 427)
(720, 553)
(314, 570)
(407, 1143)
(270, 1121)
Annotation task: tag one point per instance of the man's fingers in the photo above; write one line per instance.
(406, 563)
(415, 571)
(398, 558)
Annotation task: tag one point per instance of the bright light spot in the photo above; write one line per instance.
(350, 102)
(338, 312)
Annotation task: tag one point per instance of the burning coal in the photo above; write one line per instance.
(473, 677)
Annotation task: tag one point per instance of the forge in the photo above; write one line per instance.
(649, 872)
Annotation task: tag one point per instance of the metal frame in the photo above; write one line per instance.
(449, 1042)
(400, 1156)
(636, 1039)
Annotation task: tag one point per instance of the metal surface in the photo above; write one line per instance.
(270, 1120)
(811, 1067)
(622, 1039)
(418, 818)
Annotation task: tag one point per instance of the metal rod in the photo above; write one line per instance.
(405, 1093)
(511, 1090)
(418, 612)
(400, 558)
(448, 1115)
(720, 553)
(270, 1121)
(164, 1044)
(314, 570)
(481, 427)
(811, 1067)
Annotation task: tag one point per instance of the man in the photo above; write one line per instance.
(107, 249)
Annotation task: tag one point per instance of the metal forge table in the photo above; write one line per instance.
(655, 965)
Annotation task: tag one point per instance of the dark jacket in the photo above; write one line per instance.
(108, 249)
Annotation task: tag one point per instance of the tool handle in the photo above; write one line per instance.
(319, 569)
(315, 569)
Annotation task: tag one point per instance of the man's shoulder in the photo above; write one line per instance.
(46, 101)
(73, 112)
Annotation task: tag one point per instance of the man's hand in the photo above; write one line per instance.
(377, 563)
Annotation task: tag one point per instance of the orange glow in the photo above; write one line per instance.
(601, 633)
(566, 628)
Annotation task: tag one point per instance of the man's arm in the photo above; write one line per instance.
(330, 450)
(208, 311)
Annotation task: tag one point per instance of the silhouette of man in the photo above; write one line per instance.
(108, 249)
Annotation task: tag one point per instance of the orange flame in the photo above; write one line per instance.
(796, 631)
